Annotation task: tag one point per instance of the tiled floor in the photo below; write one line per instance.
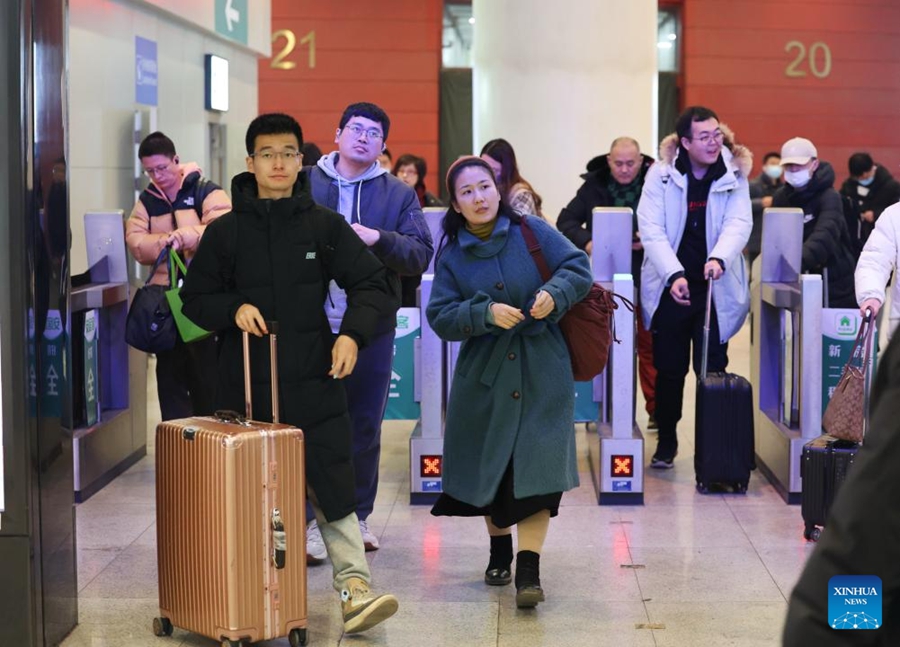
(683, 570)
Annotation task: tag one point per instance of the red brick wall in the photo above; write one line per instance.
(736, 62)
(388, 53)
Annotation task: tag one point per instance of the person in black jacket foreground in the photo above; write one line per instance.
(271, 259)
(862, 533)
(827, 249)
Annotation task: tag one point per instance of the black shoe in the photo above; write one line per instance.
(651, 423)
(664, 458)
(497, 576)
(498, 572)
(528, 580)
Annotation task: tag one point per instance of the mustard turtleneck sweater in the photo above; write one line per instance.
(483, 231)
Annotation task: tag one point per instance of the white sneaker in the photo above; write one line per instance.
(370, 541)
(316, 553)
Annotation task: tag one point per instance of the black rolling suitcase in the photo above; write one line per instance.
(824, 465)
(826, 460)
(724, 453)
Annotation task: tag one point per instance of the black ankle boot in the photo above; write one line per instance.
(498, 570)
(528, 579)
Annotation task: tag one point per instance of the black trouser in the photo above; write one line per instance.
(675, 328)
(186, 379)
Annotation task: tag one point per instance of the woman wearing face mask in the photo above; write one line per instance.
(761, 191)
(509, 440)
(826, 241)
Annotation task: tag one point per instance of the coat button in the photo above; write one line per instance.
(516, 395)
(499, 285)
(467, 329)
(511, 356)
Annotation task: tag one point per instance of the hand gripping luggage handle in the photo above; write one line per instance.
(705, 357)
(273, 352)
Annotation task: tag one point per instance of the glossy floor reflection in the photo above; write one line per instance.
(682, 570)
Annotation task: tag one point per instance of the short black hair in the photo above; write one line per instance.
(770, 155)
(272, 123)
(369, 111)
(860, 163)
(156, 144)
(689, 116)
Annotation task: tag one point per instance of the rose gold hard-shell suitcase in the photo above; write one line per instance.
(230, 525)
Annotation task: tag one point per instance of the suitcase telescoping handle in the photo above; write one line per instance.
(705, 356)
(273, 352)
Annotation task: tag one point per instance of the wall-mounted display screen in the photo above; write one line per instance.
(216, 83)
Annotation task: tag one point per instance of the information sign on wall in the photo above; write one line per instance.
(146, 72)
(231, 19)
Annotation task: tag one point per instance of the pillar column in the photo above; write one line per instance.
(560, 81)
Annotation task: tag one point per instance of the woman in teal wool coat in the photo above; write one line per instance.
(509, 439)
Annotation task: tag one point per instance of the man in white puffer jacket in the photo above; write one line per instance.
(880, 257)
(695, 219)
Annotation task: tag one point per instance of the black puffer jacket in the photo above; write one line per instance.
(576, 219)
(279, 255)
(881, 194)
(826, 241)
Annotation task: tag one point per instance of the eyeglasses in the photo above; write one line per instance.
(371, 133)
(706, 138)
(156, 170)
(269, 156)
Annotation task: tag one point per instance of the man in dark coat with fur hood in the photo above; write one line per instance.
(271, 259)
(616, 180)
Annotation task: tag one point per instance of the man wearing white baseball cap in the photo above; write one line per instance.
(809, 185)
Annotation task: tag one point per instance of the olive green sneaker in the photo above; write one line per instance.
(363, 609)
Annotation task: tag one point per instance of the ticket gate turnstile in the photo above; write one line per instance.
(616, 448)
(426, 444)
(786, 360)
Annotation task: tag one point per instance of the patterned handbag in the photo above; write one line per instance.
(845, 415)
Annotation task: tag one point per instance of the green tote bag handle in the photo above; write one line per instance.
(187, 329)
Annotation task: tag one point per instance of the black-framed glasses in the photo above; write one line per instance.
(269, 156)
(706, 138)
(371, 133)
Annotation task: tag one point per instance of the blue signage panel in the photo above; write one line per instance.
(231, 19)
(146, 72)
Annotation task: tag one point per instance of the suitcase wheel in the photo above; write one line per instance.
(162, 627)
(227, 642)
(741, 488)
(298, 637)
(812, 533)
(702, 488)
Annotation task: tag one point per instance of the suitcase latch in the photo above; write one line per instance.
(279, 540)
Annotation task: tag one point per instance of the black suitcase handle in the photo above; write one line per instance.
(704, 358)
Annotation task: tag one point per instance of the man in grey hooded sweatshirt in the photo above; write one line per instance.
(386, 215)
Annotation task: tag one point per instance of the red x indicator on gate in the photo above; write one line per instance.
(622, 466)
(431, 466)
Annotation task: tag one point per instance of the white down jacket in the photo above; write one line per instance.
(879, 257)
(662, 216)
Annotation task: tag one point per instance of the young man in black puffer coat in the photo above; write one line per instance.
(271, 259)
